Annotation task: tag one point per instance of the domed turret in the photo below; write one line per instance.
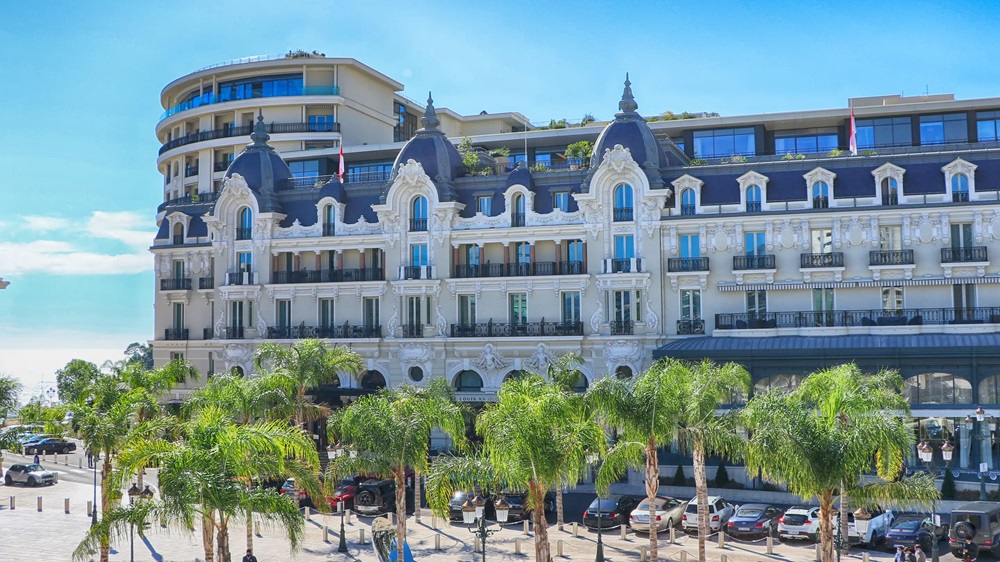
(429, 146)
(630, 130)
(264, 171)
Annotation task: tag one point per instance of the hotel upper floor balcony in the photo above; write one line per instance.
(245, 130)
(519, 269)
(852, 318)
(213, 98)
(416, 272)
(493, 329)
(328, 275)
(890, 257)
(831, 259)
(677, 265)
(241, 278)
(751, 263)
(339, 331)
(971, 254)
(175, 284)
(622, 265)
(176, 334)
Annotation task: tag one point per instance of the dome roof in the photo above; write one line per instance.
(630, 130)
(521, 175)
(439, 158)
(333, 188)
(264, 171)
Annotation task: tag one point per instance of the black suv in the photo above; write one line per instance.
(979, 520)
(375, 497)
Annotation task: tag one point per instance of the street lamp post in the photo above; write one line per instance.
(982, 434)
(926, 453)
(93, 512)
(592, 459)
(342, 506)
(133, 493)
(473, 515)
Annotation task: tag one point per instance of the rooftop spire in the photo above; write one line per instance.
(259, 135)
(430, 119)
(627, 105)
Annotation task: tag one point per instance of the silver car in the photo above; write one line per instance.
(30, 474)
(667, 510)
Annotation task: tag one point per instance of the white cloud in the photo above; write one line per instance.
(43, 224)
(130, 228)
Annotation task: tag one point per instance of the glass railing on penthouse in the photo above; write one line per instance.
(210, 98)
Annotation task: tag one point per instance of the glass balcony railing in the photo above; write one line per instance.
(211, 98)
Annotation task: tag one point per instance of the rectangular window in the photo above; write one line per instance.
(174, 356)
(484, 204)
(370, 307)
(805, 141)
(943, 129)
(418, 254)
(822, 240)
(518, 308)
(571, 307)
(624, 247)
(961, 235)
(472, 254)
(988, 126)
(375, 258)
(413, 305)
(964, 296)
(467, 309)
(522, 253)
(236, 314)
(690, 246)
(283, 313)
(178, 269)
(885, 132)
(892, 299)
(754, 244)
(622, 311)
(574, 250)
(690, 304)
(326, 313)
(560, 200)
(756, 303)
(637, 312)
(822, 300)
(178, 316)
(725, 142)
(890, 238)
(244, 262)
(304, 168)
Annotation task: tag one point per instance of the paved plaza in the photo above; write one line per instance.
(51, 535)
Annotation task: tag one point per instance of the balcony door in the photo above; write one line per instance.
(467, 310)
(178, 316)
(413, 311)
(571, 307)
(690, 246)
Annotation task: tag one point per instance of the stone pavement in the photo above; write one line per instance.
(27, 536)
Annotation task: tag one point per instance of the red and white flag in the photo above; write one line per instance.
(340, 170)
(853, 143)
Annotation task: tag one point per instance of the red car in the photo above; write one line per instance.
(345, 492)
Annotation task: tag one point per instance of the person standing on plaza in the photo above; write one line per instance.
(37, 461)
(921, 557)
(249, 557)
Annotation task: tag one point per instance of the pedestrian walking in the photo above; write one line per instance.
(37, 460)
(909, 555)
(249, 557)
(90, 460)
(919, 552)
(900, 555)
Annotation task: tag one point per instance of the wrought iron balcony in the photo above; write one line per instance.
(418, 225)
(240, 278)
(465, 271)
(509, 329)
(517, 219)
(178, 239)
(850, 318)
(680, 265)
(753, 206)
(206, 282)
(623, 214)
(821, 202)
(832, 259)
(890, 257)
(963, 255)
(688, 209)
(207, 333)
(623, 265)
(959, 196)
(571, 268)
(622, 328)
(234, 333)
(745, 263)
(327, 275)
(195, 199)
(890, 199)
(329, 229)
(341, 331)
(413, 330)
(175, 334)
(690, 327)
(190, 171)
(175, 284)
(244, 233)
(244, 131)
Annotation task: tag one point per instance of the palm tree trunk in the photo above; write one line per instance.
(826, 526)
(541, 525)
(105, 502)
(400, 511)
(559, 507)
(207, 528)
(416, 497)
(249, 530)
(222, 539)
(844, 529)
(652, 487)
(701, 492)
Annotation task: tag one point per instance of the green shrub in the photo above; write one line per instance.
(948, 486)
(679, 479)
(721, 476)
(698, 162)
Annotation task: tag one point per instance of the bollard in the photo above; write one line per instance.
(437, 541)
(477, 546)
(256, 525)
(527, 530)
(722, 539)
(90, 507)
(673, 535)
(348, 517)
(864, 557)
(576, 529)
(684, 556)
(362, 539)
(434, 522)
(12, 503)
(559, 547)
(517, 546)
(770, 546)
(79, 463)
(66, 505)
(819, 555)
(39, 503)
(326, 533)
(624, 531)
(723, 558)
(307, 514)
(643, 555)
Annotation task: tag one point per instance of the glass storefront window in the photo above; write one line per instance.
(937, 388)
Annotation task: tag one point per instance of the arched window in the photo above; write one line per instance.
(373, 380)
(517, 214)
(784, 383)
(821, 195)
(178, 233)
(959, 188)
(245, 230)
(753, 199)
(514, 375)
(416, 374)
(238, 371)
(329, 219)
(890, 191)
(418, 214)
(623, 203)
(581, 382)
(623, 372)
(937, 388)
(688, 205)
(468, 381)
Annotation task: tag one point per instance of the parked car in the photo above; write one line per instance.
(518, 503)
(345, 492)
(49, 445)
(719, 513)
(915, 529)
(455, 504)
(754, 520)
(294, 493)
(867, 526)
(799, 522)
(30, 474)
(375, 497)
(981, 522)
(611, 512)
(668, 511)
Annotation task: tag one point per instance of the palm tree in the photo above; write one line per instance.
(203, 473)
(391, 430)
(527, 435)
(564, 373)
(823, 437)
(642, 410)
(308, 364)
(698, 390)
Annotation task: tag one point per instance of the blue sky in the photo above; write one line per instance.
(81, 82)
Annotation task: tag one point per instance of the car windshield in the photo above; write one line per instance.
(644, 506)
(749, 512)
(604, 505)
(343, 490)
(692, 508)
(906, 525)
(33, 467)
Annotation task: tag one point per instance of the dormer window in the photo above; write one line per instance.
(820, 195)
(960, 180)
(623, 203)
(959, 188)
(245, 229)
(178, 233)
(517, 217)
(418, 214)
(890, 191)
(753, 199)
(688, 202)
(329, 220)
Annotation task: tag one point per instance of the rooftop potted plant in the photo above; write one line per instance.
(578, 154)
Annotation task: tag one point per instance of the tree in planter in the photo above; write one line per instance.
(721, 476)
(580, 150)
(679, 479)
(470, 157)
(948, 486)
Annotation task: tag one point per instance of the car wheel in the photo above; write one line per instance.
(65, 450)
(32, 482)
(8, 481)
(29, 451)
